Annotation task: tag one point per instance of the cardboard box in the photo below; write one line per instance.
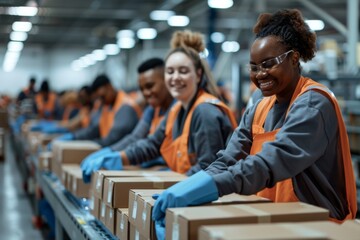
(77, 185)
(65, 177)
(44, 161)
(122, 224)
(185, 222)
(102, 212)
(267, 231)
(95, 207)
(70, 152)
(110, 218)
(134, 234)
(141, 204)
(73, 151)
(99, 176)
(116, 190)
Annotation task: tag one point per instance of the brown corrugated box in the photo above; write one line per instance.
(110, 218)
(134, 234)
(102, 212)
(185, 222)
(141, 203)
(77, 185)
(70, 152)
(44, 161)
(267, 231)
(95, 208)
(122, 223)
(116, 190)
(65, 177)
(99, 176)
(73, 151)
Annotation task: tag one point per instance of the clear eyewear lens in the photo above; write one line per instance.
(268, 64)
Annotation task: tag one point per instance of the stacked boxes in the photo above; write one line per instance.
(184, 223)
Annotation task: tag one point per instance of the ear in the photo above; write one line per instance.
(199, 73)
(295, 58)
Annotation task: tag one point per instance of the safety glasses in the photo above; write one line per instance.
(268, 64)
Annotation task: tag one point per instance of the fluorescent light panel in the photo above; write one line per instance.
(222, 4)
(161, 15)
(315, 25)
(146, 33)
(18, 36)
(21, 26)
(23, 11)
(178, 21)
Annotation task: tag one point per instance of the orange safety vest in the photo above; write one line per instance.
(283, 191)
(156, 120)
(175, 151)
(43, 106)
(108, 113)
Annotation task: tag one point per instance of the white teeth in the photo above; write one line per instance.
(266, 84)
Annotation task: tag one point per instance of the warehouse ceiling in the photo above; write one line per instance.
(93, 23)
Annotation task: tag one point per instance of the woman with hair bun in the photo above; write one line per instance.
(291, 145)
(198, 125)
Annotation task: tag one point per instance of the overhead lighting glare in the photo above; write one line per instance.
(21, 26)
(99, 54)
(18, 36)
(222, 4)
(126, 42)
(178, 21)
(23, 11)
(111, 49)
(230, 46)
(15, 46)
(217, 37)
(126, 33)
(10, 61)
(161, 15)
(315, 25)
(146, 33)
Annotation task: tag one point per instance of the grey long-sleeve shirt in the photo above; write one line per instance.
(125, 120)
(141, 130)
(209, 131)
(305, 150)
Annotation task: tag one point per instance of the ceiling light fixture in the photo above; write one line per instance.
(21, 26)
(315, 25)
(146, 33)
(217, 37)
(178, 21)
(18, 36)
(23, 11)
(221, 4)
(230, 46)
(15, 46)
(111, 49)
(161, 15)
(126, 42)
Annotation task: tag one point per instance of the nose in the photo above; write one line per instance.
(261, 74)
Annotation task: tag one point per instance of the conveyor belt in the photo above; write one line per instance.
(71, 213)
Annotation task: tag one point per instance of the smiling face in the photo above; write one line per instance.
(280, 79)
(153, 87)
(181, 77)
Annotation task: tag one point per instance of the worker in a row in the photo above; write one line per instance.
(290, 146)
(119, 114)
(194, 129)
(159, 100)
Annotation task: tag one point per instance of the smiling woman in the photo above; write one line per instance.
(290, 146)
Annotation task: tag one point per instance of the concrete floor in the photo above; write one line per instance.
(15, 208)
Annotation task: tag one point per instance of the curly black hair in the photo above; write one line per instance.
(290, 27)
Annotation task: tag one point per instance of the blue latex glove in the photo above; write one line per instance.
(198, 189)
(160, 229)
(109, 161)
(41, 125)
(94, 155)
(64, 137)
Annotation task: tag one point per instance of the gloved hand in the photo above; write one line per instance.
(160, 229)
(94, 155)
(41, 125)
(110, 161)
(64, 137)
(198, 189)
